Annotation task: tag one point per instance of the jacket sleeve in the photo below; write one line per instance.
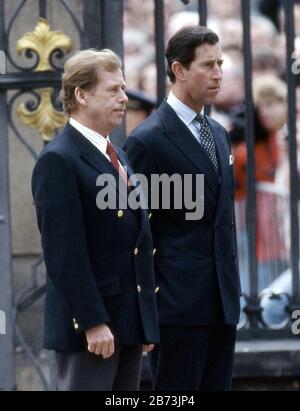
(61, 223)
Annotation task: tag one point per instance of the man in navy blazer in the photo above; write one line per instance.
(195, 262)
(100, 302)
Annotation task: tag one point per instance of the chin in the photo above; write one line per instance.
(117, 124)
(209, 101)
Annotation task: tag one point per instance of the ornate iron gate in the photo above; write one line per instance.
(47, 47)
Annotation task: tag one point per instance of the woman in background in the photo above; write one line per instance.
(270, 95)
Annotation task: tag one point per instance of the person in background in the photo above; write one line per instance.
(270, 95)
(139, 107)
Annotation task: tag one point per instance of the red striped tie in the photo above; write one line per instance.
(114, 161)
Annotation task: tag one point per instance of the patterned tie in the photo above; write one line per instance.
(207, 140)
(114, 161)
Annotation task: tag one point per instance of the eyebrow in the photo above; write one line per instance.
(213, 60)
(113, 85)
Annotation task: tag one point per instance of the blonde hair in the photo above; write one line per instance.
(83, 70)
(270, 86)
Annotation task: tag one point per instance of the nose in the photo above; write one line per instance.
(123, 97)
(218, 73)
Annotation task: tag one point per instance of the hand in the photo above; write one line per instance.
(148, 347)
(100, 341)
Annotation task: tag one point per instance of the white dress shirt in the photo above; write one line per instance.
(95, 138)
(185, 113)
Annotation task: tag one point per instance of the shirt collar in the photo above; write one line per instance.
(186, 114)
(95, 138)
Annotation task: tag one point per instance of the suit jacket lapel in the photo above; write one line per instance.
(94, 157)
(223, 153)
(144, 206)
(182, 137)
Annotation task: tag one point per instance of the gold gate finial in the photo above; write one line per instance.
(45, 118)
(43, 41)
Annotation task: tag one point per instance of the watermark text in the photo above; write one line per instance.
(2, 62)
(296, 323)
(162, 192)
(296, 63)
(2, 322)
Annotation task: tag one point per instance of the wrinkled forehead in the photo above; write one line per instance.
(110, 77)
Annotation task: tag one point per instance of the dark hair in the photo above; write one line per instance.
(181, 46)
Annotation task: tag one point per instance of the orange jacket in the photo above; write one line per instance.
(266, 162)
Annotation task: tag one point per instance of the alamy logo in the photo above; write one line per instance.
(2, 62)
(168, 192)
(2, 322)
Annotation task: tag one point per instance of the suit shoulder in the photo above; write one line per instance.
(53, 171)
(52, 161)
(217, 124)
(149, 129)
(59, 145)
(58, 153)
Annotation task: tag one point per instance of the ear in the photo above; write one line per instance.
(179, 71)
(80, 96)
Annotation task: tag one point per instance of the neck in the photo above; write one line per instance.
(89, 124)
(180, 93)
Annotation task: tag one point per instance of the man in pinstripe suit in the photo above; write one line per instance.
(195, 263)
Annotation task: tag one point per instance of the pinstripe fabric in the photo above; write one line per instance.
(178, 305)
(195, 263)
(194, 360)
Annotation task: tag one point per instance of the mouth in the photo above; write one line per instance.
(121, 109)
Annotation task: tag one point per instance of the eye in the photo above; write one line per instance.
(113, 90)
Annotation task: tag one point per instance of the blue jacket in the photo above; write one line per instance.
(196, 261)
(99, 262)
